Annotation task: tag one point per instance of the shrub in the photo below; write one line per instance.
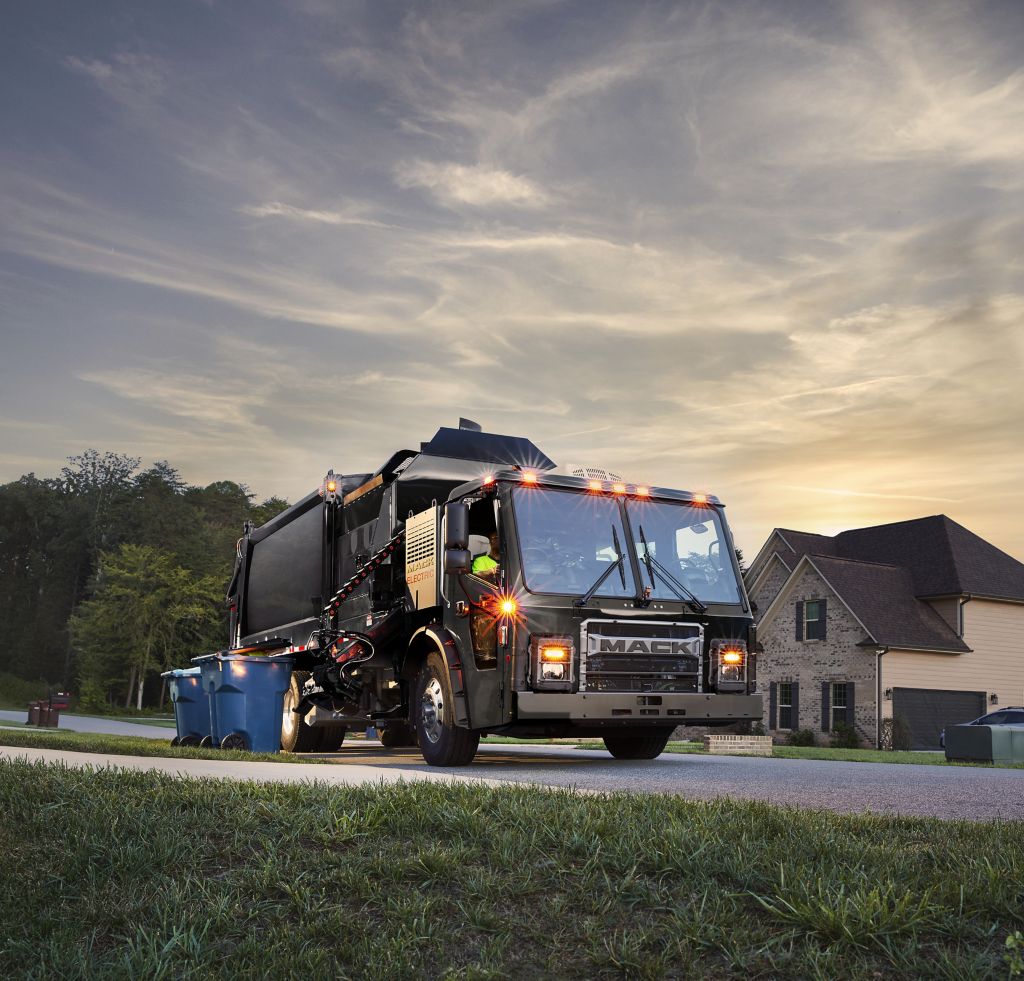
(844, 736)
(757, 728)
(17, 692)
(895, 734)
(801, 737)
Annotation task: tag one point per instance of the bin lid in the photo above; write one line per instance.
(227, 656)
(181, 673)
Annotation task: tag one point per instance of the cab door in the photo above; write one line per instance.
(476, 622)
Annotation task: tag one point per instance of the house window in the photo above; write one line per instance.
(785, 705)
(839, 705)
(814, 620)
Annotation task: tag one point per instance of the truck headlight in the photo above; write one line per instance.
(729, 661)
(552, 662)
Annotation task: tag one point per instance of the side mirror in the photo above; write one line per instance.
(457, 561)
(456, 522)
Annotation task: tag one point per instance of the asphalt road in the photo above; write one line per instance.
(96, 724)
(885, 788)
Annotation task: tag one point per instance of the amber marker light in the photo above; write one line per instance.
(700, 499)
(595, 485)
(554, 652)
(732, 657)
(488, 480)
(643, 492)
(529, 477)
(507, 606)
(331, 486)
(618, 488)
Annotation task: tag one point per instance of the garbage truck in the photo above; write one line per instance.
(471, 587)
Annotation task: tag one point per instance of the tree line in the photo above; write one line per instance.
(110, 574)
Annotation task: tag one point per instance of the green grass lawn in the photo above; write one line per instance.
(135, 746)
(115, 874)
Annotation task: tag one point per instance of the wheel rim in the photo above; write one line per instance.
(432, 710)
(287, 715)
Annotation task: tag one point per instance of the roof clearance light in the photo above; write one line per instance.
(618, 488)
(643, 492)
(700, 499)
(488, 480)
(529, 477)
(595, 485)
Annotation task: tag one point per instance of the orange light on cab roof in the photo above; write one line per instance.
(643, 491)
(595, 485)
(618, 488)
(529, 477)
(488, 480)
(700, 499)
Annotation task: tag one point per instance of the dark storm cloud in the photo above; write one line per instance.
(766, 249)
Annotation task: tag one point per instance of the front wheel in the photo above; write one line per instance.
(638, 745)
(442, 742)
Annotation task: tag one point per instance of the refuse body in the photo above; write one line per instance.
(986, 744)
(191, 706)
(246, 697)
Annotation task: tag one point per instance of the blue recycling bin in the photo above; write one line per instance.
(246, 697)
(191, 708)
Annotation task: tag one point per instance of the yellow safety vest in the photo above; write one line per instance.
(483, 564)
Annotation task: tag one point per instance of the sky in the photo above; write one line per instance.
(774, 251)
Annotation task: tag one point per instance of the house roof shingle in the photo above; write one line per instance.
(943, 557)
(883, 598)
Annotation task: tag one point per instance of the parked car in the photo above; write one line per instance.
(1012, 716)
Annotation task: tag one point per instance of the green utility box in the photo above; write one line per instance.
(985, 744)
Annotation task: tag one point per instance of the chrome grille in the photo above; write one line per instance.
(640, 656)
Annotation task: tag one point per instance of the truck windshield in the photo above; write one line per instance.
(689, 543)
(567, 539)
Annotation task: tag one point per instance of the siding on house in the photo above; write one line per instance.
(810, 663)
(995, 633)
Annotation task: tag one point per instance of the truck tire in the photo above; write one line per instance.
(296, 736)
(331, 738)
(397, 734)
(635, 745)
(442, 743)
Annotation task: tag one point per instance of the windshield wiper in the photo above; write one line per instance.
(617, 564)
(674, 584)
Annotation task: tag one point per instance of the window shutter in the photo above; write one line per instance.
(850, 718)
(826, 704)
(795, 712)
(800, 620)
(823, 622)
(773, 704)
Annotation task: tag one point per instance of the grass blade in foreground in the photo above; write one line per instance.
(137, 874)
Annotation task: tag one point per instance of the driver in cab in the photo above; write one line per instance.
(488, 565)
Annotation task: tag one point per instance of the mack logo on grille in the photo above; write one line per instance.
(631, 645)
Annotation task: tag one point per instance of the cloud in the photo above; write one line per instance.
(275, 209)
(478, 185)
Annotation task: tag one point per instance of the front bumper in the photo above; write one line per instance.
(646, 709)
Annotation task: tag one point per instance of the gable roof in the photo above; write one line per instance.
(883, 599)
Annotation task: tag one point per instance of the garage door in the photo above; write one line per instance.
(928, 710)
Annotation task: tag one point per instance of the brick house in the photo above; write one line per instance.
(921, 620)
